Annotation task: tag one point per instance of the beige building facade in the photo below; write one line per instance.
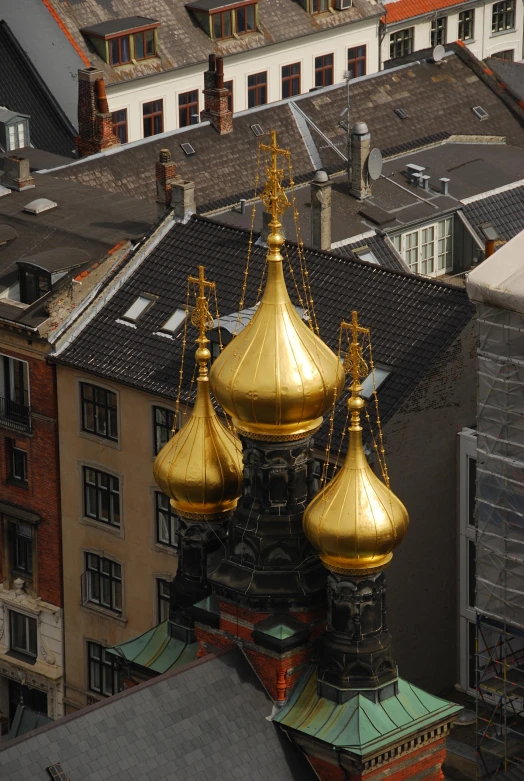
(119, 534)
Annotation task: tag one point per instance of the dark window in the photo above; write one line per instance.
(145, 44)
(508, 54)
(472, 656)
(472, 489)
(23, 634)
(163, 426)
(466, 27)
(319, 6)
(257, 89)
(153, 114)
(104, 676)
(18, 464)
(166, 521)
(187, 108)
(120, 125)
(99, 412)
(33, 285)
(356, 61)
(439, 31)
(102, 582)
(119, 50)
(246, 22)
(163, 599)
(229, 85)
(472, 573)
(324, 70)
(14, 391)
(291, 80)
(222, 27)
(21, 544)
(503, 16)
(401, 43)
(101, 497)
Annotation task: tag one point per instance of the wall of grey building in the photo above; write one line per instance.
(466, 251)
(48, 49)
(421, 452)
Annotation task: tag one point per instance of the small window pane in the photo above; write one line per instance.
(137, 308)
(139, 46)
(176, 320)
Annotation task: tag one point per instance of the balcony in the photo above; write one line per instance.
(14, 414)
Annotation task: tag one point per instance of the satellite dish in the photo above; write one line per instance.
(438, 53)
(375, 163)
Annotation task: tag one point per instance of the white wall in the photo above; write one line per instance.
(238, 67)
(485, 43)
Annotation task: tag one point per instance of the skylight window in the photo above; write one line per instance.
(188, 149)
(400, 112)
(364, 253)
(257, 130)
(480, 112)
(381, 376)
(56, 772)
(137, 308)
(174, 322)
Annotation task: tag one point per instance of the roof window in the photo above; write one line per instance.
(14, 130)
(121, 41)
(222, 19)
(364, 253)
(40, 205)
(188, 149)
(174, 322)
(257, 130)
(401, 113)
(138, 308)
(56, 772)
(380, 376)
(480, 112)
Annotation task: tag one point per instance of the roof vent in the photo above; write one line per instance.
(257, 130)
(40, 205)
(188, 149)
(401, 113)
(4, 191)
(56, 772)
(480, 112)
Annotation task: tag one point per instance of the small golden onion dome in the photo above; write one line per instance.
(355, 521)
(200, 468)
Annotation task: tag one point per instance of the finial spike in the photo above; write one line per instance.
(202, 319)
(273, 195)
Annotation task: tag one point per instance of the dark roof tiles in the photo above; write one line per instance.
(505, 210)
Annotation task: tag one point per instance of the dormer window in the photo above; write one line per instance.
(221, 19)
(121, 41)
(34, 283)
(14, 130)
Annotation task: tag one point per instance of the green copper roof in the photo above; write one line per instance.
(361, 726)
(156, 650)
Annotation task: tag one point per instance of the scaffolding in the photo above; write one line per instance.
(499, 555)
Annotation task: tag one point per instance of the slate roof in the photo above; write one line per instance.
(511, 73)
(379, 246)
(23, 90)
(438, 99)
(205, 721)
(412, 319)
(182, 42)
(503, 208)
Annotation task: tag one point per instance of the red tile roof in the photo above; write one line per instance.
(406, 9)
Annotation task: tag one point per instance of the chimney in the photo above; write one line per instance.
(95, 122)
(216, 110)
(172, 192)
(444, 185)
(321, 211)
(17, 174)
(360, 149)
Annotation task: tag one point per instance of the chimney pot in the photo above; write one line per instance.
(424, 179)
(216, 109)
(360, 150)
(360, 129)
(444, 185)
(17, 174)
(321, 211)
(95, 123)
(212, 62)
(242, 206)
(321, 177)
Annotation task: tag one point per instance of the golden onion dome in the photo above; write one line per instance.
(355, 521)
(200, 468)
(277, 378)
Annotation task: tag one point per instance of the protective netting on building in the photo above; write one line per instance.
(500, 541)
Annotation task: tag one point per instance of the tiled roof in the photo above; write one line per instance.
(504, 209)
(204, 722)
(412, 319)
(182, 42)
(511, 73)
(439, 101)
(22, 90)
(380, 247)
(397, 10)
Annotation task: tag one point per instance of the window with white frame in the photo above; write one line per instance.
(466, 25)
(503, 16)
(439, 31)
(428, 250)
(16, 136)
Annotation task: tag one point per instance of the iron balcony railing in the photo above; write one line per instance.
(14, 414)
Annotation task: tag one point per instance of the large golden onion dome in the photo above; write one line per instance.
(200, 468)
(277, 378)
(355, 521)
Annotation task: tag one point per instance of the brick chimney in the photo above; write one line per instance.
(360, 149)
(216, 110)
(321, 211)
(95, 122)
(17, 174)
(173, 192)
